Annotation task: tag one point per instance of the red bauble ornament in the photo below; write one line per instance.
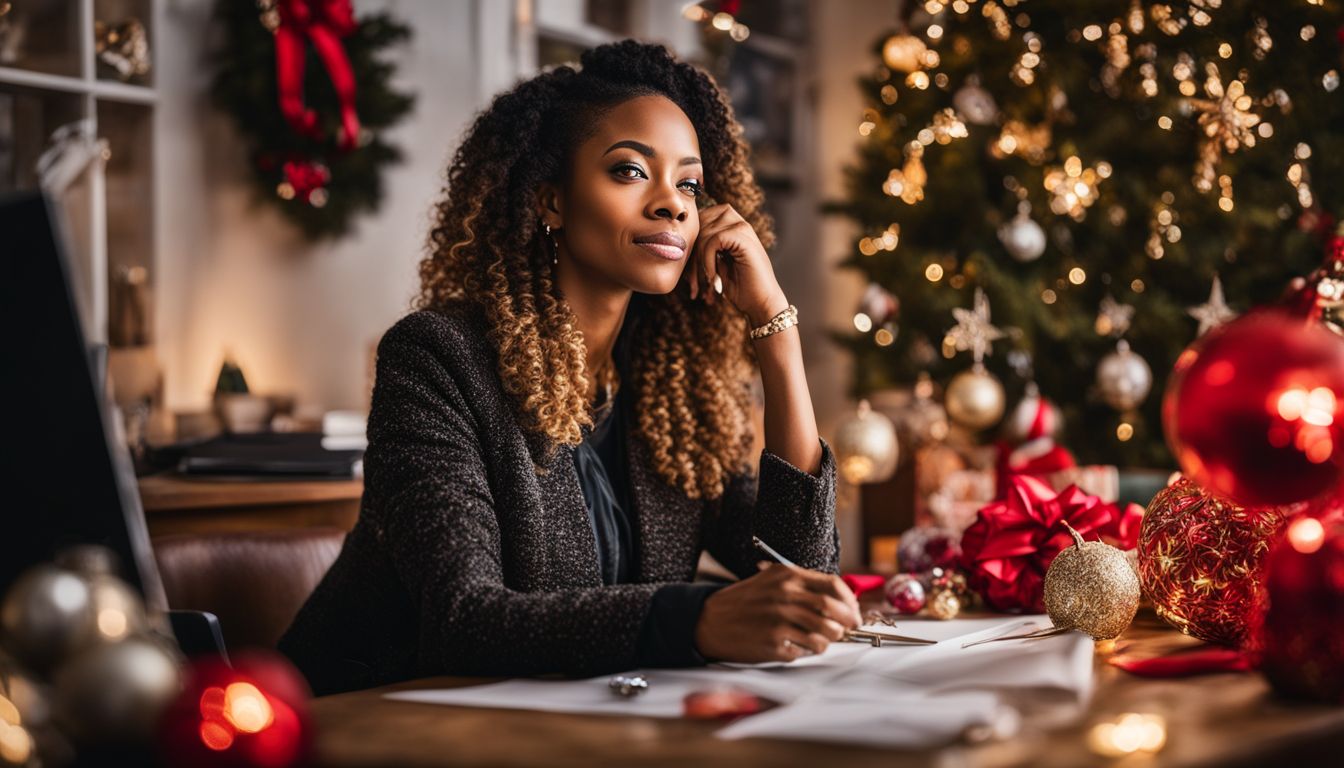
(905, 593)
(1303, 632)
(1200, 562)
(1254, 410)
(253, 714)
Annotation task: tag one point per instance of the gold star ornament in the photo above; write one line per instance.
(973, 330)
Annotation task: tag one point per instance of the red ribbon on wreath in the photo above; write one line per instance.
(324, 22)
(1012, 542)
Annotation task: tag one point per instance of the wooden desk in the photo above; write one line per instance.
(1224, 719)
(179, 504)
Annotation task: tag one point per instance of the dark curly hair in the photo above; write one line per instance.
(692, 363)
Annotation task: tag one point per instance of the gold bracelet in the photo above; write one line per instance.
(783, 321)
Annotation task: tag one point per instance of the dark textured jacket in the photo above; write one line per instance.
(466, 561)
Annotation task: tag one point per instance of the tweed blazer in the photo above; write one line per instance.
(473, 553)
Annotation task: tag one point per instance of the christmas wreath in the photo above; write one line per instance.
(306, 87)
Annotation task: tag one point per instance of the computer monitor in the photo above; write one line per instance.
(65, 477)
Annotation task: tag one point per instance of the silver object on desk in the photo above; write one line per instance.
(628, 685)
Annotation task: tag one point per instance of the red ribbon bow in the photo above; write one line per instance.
(1012, 542)
(324, 22)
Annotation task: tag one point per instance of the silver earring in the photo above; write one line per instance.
(555, 247)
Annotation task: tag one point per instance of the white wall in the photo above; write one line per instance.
(843, 34)
(233, 275)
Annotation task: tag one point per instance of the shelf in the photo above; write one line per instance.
(103, 89)
(43, 37)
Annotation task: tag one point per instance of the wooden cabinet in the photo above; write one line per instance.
(177, 504)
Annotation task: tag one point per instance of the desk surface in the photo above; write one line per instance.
(1223, 719)
(170, 491)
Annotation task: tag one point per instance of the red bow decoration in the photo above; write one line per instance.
(1012, 542)
(324, 22)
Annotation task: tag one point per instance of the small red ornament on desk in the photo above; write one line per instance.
(252, 714)
(905, 593)
(1006, 551)
(721, 704)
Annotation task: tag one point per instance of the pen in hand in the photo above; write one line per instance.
(861, 635)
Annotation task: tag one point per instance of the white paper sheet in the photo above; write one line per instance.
(909, 719)
(895, 695)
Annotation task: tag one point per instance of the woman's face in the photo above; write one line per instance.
(628, 212)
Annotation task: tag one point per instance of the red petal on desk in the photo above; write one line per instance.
(1200, 661)
(859, 583)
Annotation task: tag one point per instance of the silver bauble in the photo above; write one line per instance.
(115, 692)
(975, 399)
(1124, 378)
(118, 611)
(865, 446)
(975, 104)
(48, 614)
(1022, 237)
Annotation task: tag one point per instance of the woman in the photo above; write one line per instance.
(565, 423)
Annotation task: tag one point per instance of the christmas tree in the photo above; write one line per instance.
(1094, 166)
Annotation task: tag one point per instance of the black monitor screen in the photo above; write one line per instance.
(64, 478)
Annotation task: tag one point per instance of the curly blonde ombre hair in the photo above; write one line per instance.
(692, 364)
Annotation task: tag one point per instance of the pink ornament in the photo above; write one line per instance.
(905, 593)
(926, 547)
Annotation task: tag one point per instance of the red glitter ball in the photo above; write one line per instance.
(1200, 562)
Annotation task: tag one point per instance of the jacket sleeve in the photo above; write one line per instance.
(437, 522)
(789, 509)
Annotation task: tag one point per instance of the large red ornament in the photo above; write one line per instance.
(253, 714)
(1254, 410)
(1304, 626)
(1200, 562)
(1008, 548)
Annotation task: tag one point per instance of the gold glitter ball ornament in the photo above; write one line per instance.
(944, 605)
(1091, 586)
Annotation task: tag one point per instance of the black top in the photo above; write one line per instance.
(667, 637)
